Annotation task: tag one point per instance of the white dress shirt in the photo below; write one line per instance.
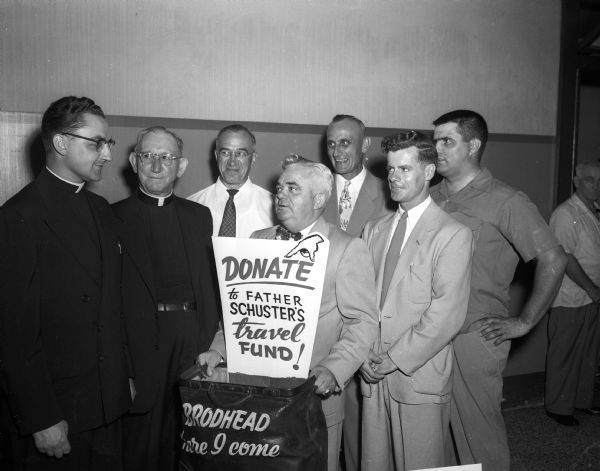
(253, 206)
(356, 184)
(414, 214)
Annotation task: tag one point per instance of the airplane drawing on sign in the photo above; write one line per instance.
(307, 247)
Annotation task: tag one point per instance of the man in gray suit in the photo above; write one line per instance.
(358, 197)
(347, 325)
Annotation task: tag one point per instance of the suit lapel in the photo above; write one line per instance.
(331, 212)
(381, 233)
(364, 206)
(417, 238)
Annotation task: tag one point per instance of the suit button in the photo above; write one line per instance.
(101, 358)
(122, 316)
(85, 298)
(155, 347)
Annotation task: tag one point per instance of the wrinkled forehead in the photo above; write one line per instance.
(235, 140)
(159, 141)
(296, 175)
(344, 128)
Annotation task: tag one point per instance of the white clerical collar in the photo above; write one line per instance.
(78, 185)
(160, 200)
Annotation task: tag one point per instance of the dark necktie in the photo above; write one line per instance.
(227, 228)
(393, 254)
(281, 233)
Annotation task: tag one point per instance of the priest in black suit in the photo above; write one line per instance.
(64, 365)
(169, 296)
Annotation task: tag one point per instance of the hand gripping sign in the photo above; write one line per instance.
(271, 294)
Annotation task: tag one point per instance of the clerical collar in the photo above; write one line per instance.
(73, 187)
(154, 200)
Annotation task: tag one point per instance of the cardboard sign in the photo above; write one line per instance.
(270, 294)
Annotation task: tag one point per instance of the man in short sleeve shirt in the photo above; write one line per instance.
(505, 225)
(573, 326)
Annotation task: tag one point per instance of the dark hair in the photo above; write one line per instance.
(66, 115)
(406, 139)
(470, 125)
(158, 129)
(236, 128)
(342, 117)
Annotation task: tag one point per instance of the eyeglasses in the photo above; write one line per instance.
(100, 143)
(149, 157)
(238, 153)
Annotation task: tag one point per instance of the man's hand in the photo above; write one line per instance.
(53, 441)
(500, 329)
(325, 382)
(368, 369)
(386, 366)
(211, 359)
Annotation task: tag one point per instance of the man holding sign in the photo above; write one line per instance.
(347, 325)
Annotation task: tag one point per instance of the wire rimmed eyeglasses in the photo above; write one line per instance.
(166, 159)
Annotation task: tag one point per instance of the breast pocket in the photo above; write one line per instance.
(419, 284)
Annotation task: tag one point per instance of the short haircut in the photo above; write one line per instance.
(66, 115)
(470, 125)
(158, 129)
(342, 117)
(322, 181)
(586, 164)
(236, 128)
(404, 140)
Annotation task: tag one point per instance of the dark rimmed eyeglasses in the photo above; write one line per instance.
(149, 157)
(100, 143)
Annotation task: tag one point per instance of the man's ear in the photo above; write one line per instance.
(133, 161)
(366, 144)
(59, 142)
(474, 146)
(429, 172)
(183, 163)
(319, 201)
(576, 181)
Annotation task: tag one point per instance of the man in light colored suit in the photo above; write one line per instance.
(423, 269)
(347, 324)
(358, 197)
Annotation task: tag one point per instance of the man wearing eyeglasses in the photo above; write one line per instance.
(238, 206)
(169, 301)
(64, 364)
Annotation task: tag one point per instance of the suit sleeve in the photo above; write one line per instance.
(355, 295)
(25, 376)
(443, 318)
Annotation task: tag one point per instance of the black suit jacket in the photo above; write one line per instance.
(139, 299)
(62, 348)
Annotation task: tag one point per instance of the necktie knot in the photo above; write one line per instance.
(232, 193)
(281, 233)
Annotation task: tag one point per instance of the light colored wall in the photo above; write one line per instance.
(395, 63)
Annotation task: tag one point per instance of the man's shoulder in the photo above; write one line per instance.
(190, 205)
(266, 233)
(202, 195)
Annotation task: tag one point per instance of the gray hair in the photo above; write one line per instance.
(322, 179)
(158, 129)
(587, 164)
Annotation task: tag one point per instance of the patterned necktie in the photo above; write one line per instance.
(227, 228)
(345, 206)
(281, 233)
(393, 254)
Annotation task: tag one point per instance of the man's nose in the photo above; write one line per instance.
(156, 165)
(106, 153)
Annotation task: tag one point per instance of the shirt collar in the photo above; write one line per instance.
(307, 229)
(414, 214)
(76, 187)
(357, 181)
(154, 200)
(222, 189)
